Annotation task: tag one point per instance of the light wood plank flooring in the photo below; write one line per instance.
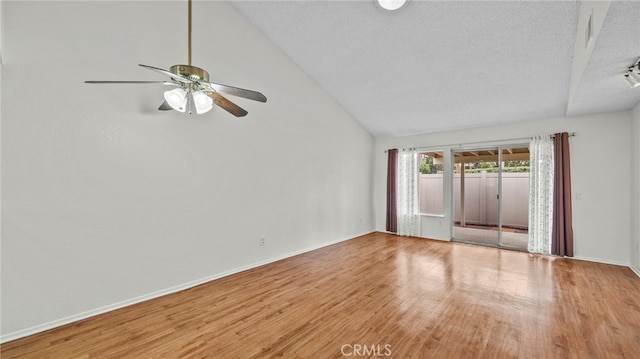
(375, 295)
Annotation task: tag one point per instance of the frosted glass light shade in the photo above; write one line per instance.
(177, 99)
(391, 4)
(202, 102)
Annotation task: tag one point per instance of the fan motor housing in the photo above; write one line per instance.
(191, 72)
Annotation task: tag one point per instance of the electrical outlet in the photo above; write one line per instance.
(262, 240)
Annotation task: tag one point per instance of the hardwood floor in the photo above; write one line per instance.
(376, 295)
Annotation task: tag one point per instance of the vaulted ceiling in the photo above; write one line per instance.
(430, 66)
(440, 65)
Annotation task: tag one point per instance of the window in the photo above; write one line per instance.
(431, 183)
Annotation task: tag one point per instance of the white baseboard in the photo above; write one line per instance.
(599, 260)
(437, 238)
(91, 313)
(635, 270)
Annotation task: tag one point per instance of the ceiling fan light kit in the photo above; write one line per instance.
(182, 101)
(190, 98)
(194, 93)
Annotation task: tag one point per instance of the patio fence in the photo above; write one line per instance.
(481, 205)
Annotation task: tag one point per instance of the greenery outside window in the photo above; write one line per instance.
(432, 183)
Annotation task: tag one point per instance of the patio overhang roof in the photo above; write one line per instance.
(508, 154)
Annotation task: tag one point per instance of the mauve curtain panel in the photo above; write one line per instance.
(562, 232)
(392, 185)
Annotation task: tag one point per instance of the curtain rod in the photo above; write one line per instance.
(571, 134)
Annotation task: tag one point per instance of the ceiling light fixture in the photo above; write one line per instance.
(194, 92)
(391, 4)
(188, 101)
(177, 99)
(632, 77)
(202, 102)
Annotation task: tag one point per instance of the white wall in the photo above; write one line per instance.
(599, 168)
(1, 29)
(635, 191)
(107, 201)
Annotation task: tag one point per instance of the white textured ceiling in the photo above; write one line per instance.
(440, 65)
(617, 47)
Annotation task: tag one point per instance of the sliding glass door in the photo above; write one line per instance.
(514, 198)
(491, 196)
(475, 196)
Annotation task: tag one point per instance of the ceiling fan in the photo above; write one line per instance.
(194, 92)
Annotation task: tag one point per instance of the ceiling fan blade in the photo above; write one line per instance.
(165, 107)
(169, 73)
(130, 82)
(239, 92)
(227, 105)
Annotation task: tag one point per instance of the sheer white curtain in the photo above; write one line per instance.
(408, 204)
(540, 194)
